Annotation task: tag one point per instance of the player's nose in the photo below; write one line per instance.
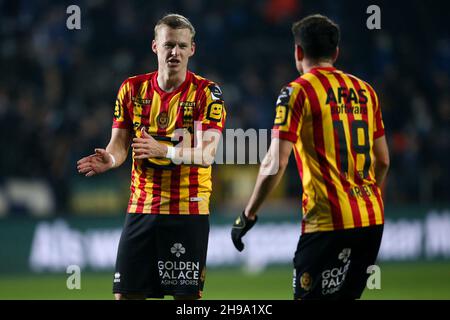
(175, 51)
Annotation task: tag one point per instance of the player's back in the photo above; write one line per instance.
(338, 118)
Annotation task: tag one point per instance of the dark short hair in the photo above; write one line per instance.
(317, 35)
(175, 21)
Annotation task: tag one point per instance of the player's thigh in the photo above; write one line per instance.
(367, 244)
(136, 269)
(182, 250)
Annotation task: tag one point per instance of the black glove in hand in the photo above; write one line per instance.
(240, 228)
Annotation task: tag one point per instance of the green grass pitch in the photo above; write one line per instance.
(427, 280)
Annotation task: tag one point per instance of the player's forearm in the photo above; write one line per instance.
(264, 185)
(381, 169)
(119, 153)
(201, 157)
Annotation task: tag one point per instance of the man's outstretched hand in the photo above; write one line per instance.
(96, 163)
(240, 227)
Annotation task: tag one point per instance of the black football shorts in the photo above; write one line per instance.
(162, 255)
(334, 264)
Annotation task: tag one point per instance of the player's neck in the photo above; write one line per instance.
(308, 65)
(170, 82)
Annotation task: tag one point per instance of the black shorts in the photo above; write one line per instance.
(333, 264)
(162, 255)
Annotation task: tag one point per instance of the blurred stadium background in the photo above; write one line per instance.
(57, 92)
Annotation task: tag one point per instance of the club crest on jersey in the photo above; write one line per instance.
(162, 120)
(306, 281)
(216, 93)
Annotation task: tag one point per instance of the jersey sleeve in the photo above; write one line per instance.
(212, 113)
(288, 114)
(378, 124)
(121, 118)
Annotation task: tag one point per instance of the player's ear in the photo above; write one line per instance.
(335, 55)
(154, 46)
(299, 55)
(192, 49)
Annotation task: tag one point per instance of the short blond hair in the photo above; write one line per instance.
(175, 21)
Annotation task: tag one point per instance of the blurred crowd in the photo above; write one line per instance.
(58, 86)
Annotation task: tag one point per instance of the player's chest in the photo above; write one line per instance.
(164, 113)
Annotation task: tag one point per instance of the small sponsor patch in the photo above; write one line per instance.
(281, 115)
(216, 93)
(195, 199)
(214, 112)
(284, 96)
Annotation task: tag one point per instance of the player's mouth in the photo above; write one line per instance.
(173, 62)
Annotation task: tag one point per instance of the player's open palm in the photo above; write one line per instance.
(96, 163)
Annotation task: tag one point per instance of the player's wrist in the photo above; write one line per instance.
(170, 153)
(249, 215)
(113, 160)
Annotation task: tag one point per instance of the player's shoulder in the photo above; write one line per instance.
(137, 80)
(211, 87)
(363, 83)
(288, 90)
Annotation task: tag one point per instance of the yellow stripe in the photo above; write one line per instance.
(137, 191)
(148, 189)
(137, 108)
(172, 113)
(328, 135)
(360, 158)
(184, 188)
(120, 109)
(154, 111)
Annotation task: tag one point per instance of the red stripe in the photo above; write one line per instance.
(132, 188)
(345, 184)
(174, 206)
(296, 112)
(299, 162)
(379, 200)
(377, 114)
(142, 183)
(358, 180)
(156, 191)
(193, 190)
(321, 156)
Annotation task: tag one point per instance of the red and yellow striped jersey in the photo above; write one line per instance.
(157, 185)
(333, 118)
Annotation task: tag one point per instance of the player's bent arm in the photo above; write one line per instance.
(270, 173)
(203, 154)
(119, 145)
(103, 160)
(381, 161)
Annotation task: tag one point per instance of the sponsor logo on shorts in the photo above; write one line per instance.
(333, 279)
(116, 277)
(178, 272)
(178, 249)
